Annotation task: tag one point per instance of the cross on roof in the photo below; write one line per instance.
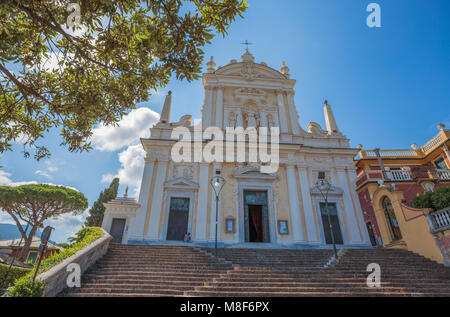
(247, 44)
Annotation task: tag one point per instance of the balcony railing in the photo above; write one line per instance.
(399, 175)
(443, 174)
(391, 153)
(431, 145)
(416, 173)
(439, 219)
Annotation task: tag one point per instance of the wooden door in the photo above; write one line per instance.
(178, 219)
(117, 228)
(332, 209)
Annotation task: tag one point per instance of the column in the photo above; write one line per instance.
(137, 227)
(293, 114)
(158, 193)
(307, 205)
(202, 205)
(239, 120)
(294, 205)
(263, 119)
(447, 152)
(219, 107)
(207, 108)
(358, 211)
(349, 210)
(282, 110)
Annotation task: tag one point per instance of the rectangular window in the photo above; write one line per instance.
(440, 164)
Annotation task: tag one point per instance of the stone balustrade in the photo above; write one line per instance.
(55, 279)
(439, 220)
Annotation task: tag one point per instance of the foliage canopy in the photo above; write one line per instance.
(78, 63)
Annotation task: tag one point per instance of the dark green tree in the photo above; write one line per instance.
(436, 200)
(33, 204)
(106, 56)
(97, 211)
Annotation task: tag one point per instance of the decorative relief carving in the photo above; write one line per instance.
(186, 171)
(316, 130)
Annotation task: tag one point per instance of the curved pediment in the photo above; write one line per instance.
(250, 70)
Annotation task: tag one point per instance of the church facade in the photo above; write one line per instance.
(283, 207)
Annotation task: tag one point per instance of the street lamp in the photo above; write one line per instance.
(324, 188)
(217, 183)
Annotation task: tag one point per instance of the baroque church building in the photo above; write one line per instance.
(282, 209)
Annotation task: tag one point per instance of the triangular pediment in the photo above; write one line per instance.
(334, 190)
(252, 171)
(250, 70)
(181, 183)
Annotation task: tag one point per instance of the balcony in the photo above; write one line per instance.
(429, 147)
(397, 175)
(415, 174)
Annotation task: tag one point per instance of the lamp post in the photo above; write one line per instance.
(217, 183)
(324, 188)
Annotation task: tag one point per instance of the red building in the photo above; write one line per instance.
(387, 182)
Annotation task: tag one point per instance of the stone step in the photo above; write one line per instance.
(118, 290)
(329, 289)
(93, 294)
(151, 269)
(311, 294)
(320, 280)
(149, 275)
(164, 265)
(323, 284)
(140, 281)
(143, 286)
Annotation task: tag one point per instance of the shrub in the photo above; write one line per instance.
(22, 287)
(14, 274)
(423, 200)
(439, 199)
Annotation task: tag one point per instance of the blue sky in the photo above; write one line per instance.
(388, 86)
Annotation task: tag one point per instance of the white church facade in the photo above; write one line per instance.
(282, 208)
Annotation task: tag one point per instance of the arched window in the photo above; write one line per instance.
(391, 219)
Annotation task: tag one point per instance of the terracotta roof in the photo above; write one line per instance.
(14, 243)
(6, 259)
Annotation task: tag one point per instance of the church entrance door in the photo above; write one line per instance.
(178, 219)
(256, 216)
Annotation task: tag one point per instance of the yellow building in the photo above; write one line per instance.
(387, 182)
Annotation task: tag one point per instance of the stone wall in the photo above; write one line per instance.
(55, 279)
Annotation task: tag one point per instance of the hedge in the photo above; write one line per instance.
(436, 200)
(15, 273)
(23, 286)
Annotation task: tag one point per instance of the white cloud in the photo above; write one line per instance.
(134, 125)
(43, 173)
(5, 180)
(66, 225)
(132, 165)
(107, 178)
(51, 167)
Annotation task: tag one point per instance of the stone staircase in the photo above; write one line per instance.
(157, 270)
